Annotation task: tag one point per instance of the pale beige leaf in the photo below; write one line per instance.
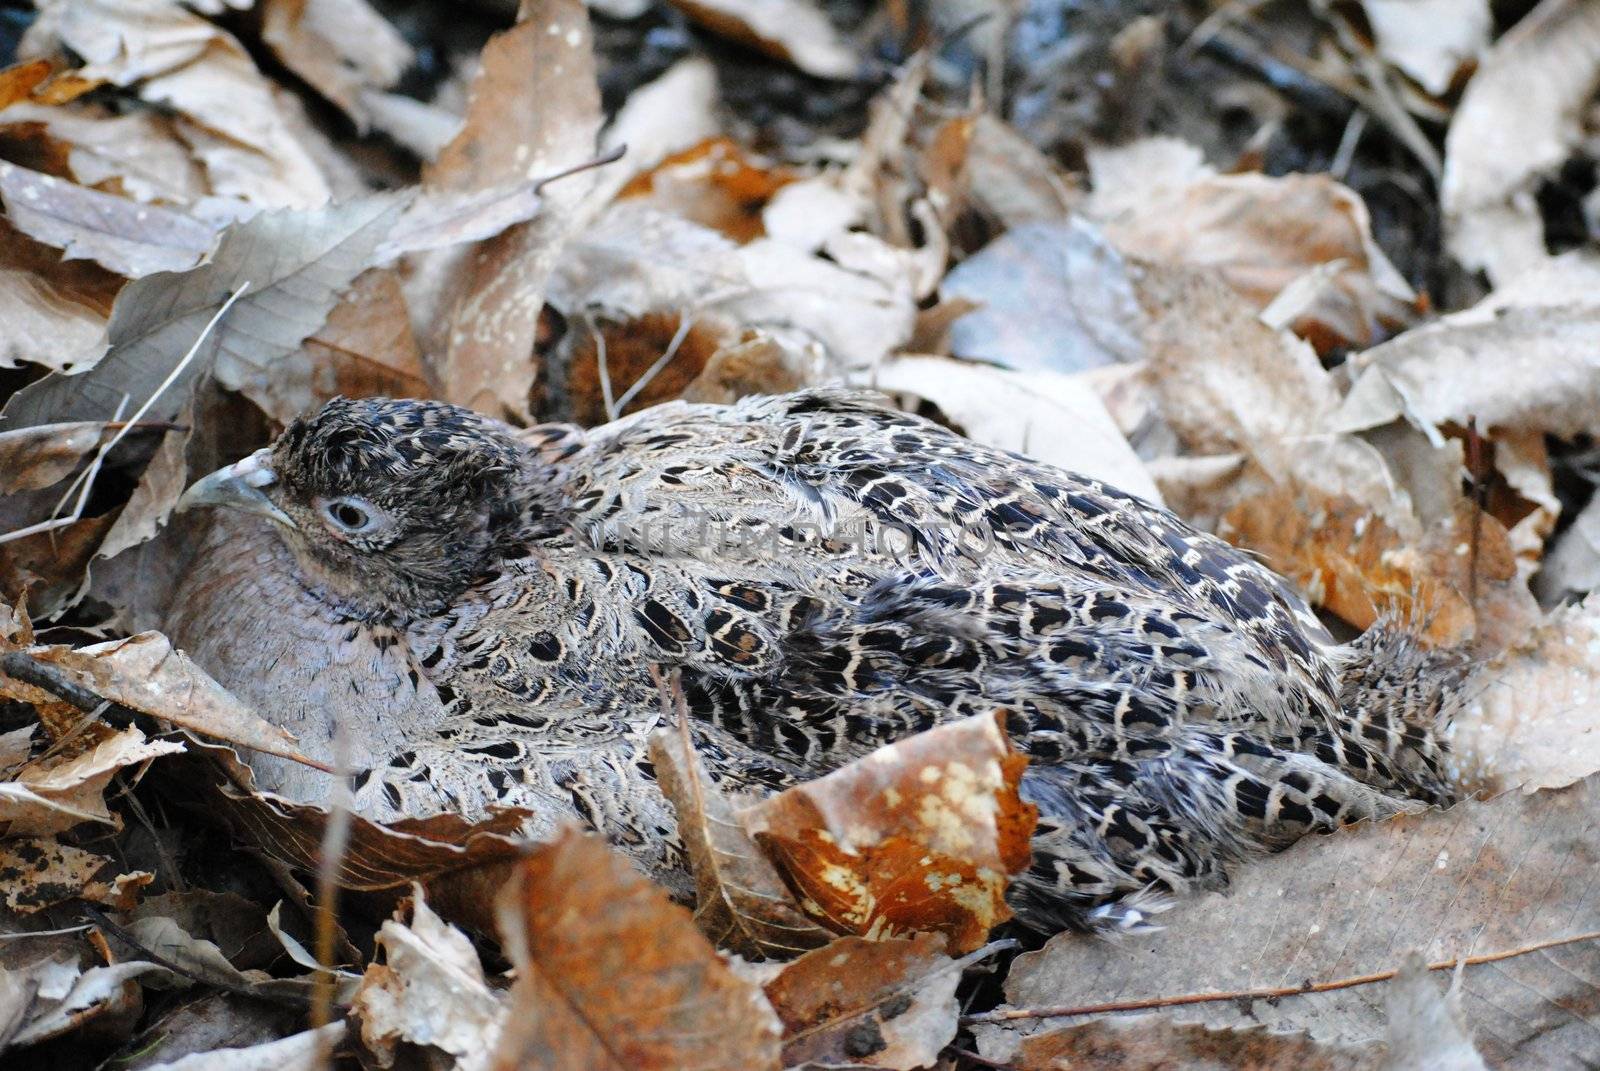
(55, 794)
(1481, 878)
(41, 872)
(797, 31)
(1426, 1031)
(741, 902)
(33, 458)
(1430, 40)
(1520, 117)
(340, 47)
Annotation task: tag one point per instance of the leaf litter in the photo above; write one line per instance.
(1202, 258)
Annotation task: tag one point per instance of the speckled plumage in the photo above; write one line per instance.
(829, 575)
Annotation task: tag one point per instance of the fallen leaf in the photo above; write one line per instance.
(921, 835)
(54, 312)
(1258, 233)
(177, 60)
(1533, 718)
(535, 109)
(715, 184)
(54, 794)
(41, 872)
(741, 902)
(428, 991)
(889, 1004)
(145, 672)
(1426, 1031)
(340, 48)
(304, 1051)
(796, 31)
(37, 457)
(1156, 1043)
(1052, 417)
(137, 154)
(1430, 40)
(1481, 878)
(612, 974)
(1519, 119)
(123, 236)
(1052, 296)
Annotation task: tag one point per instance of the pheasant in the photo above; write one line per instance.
(477, 610)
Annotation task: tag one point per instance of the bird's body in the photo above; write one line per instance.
(828, 575)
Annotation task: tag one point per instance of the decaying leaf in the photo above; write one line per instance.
(1053, 417)
(1430, 40)
(889, 1004)
(1258, 233)
(429, 991)
(34, 458)
(1519, 119)
(613, 975)
(794, 30)
(61, 791)
(535, 110)
(921, 835)
(1156, 1043)
(341, 47)
(41, 872)
(145, 672)
(1425, 1026)
(1481, 878)
(1533, 721)
(1053, 296)
(741, 902)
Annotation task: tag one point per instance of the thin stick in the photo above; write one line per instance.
(1002, 1015)
(335, 842)
(605, 373)
(84, 483)
(685, 324)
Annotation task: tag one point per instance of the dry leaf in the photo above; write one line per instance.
(120, 235)
(41, 872)
(613, 975)
(889, 1004)
(1052, 296)
(340, 47)
(298, 1052)
(145, 673)
(741, 902)
(1534, 720)
(428, 991)
(922, 834)
(1055, 418)
(35, 458)
(181, 62)
(1156, 1043)
(715, 184)
(535, 110)
(138, 154)
(56, 793)
(1430, 40)
(1484, 877)
(1258, 233)
(1426, 1031)
(1519, 119)
(796, 31)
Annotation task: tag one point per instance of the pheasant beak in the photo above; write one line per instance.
(240, 486)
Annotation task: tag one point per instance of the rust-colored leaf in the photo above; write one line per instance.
(920, 835)
(613, 975)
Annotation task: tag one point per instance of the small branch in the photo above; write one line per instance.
(22, 666)
(1002, 1015)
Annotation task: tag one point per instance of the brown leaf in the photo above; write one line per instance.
(366, 348)
(54, 794)
(880, 1003)
(40, 872)
(741, 902)
(612, 974)
(429, 990)
(35, 458)
(1155, 1043)
(796, 31)
(1481, 878)
(922, 834)
(225, 108)
(1259, 234)
(145, 672)
(716, 184)
(535, 109)
(18, 81)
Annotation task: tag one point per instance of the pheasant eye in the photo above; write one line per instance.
(348, 514)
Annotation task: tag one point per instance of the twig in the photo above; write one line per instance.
(605, 373)
(1003, 1015)
(84, 483)
(685, 325)
(22, 666)
(335, 842)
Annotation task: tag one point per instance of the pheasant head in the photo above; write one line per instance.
(391, 507)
